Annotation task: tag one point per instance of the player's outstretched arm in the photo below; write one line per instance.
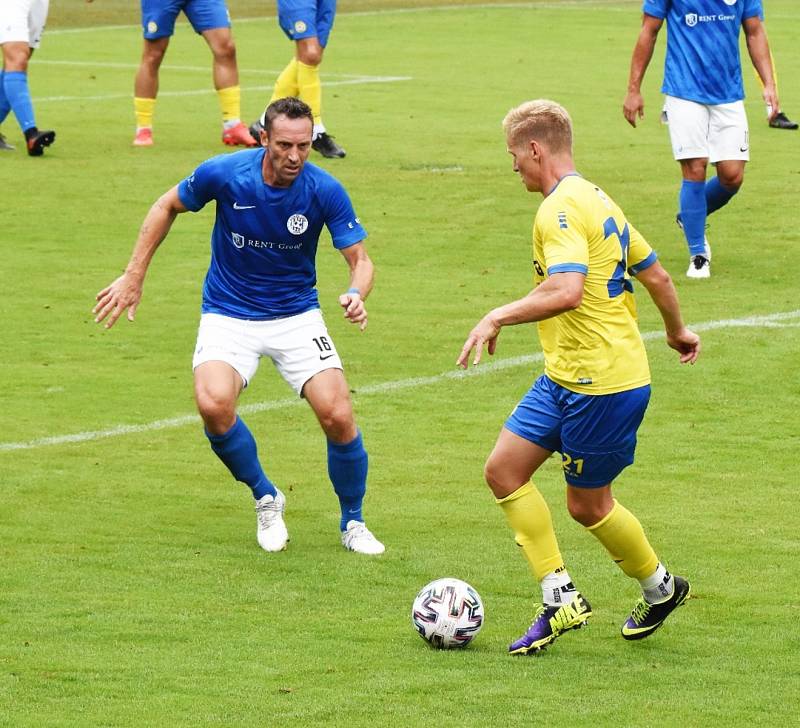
(556, 294)
(633, 106)
(126, 291)
(758, 48)
(661, 289)
(362, 275)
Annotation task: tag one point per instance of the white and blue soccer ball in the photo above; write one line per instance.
(447, 613)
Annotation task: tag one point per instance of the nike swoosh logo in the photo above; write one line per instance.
(237, 206)
(323, 358)
(743, 149)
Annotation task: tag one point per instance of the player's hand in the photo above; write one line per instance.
(485, 333)
(123, 293)
(686, 343)
(354, 309)
(771, 99)
(633, 107)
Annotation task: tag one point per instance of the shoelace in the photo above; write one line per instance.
(267, 513)
(540, 609)
(357, 532)
(640, 611)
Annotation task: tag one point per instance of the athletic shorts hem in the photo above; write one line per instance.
(519, 433)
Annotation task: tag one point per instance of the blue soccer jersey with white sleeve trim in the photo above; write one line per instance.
(264, 242)
(703, 62)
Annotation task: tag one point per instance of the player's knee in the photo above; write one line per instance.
(16, 59)
(694, 170)
(498, 478)
(153, 55)
(731, 181)
(310, 55)
(224, 50)
(336, 419)
(218, 413)
(586, 512)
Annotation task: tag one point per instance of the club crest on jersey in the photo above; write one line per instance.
(238, 240)
(562, 220)
(300, 27)
(297, 224)
(152, 26)
(691, 19)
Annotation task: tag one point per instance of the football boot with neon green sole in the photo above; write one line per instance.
(549, 623)
(646, 618)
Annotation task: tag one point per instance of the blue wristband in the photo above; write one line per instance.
(354, 290)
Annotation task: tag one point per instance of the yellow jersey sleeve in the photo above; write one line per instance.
(640, 254)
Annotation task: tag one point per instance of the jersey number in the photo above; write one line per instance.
(573, 466)
(323, 344)
(618, 283)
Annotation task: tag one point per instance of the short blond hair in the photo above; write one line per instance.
(543, 120)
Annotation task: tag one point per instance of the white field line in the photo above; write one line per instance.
(200, 69)
(208, 91)
(614, 5)
(764, 321)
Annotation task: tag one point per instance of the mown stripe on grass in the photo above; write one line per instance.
(772, 320)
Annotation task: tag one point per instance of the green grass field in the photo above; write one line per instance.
(132, 590)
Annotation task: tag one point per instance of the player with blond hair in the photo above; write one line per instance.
(593, 394)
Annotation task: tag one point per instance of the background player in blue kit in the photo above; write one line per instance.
(259, 299)
(703, 107)
(308, 23)
(210, 19)
(21, 26)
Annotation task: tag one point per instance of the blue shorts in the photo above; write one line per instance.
(307, 18)
(595, 434)
(158, 16)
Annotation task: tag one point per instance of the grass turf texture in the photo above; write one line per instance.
(133, 591)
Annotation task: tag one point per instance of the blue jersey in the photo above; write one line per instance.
(265, 238)
(703, 62)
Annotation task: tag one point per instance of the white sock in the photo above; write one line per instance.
(230, 123)
(658, 587)
(318, 129)
(557, 588)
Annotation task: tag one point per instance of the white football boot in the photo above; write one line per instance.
(357, 537)
(699, 267)
(271, 532)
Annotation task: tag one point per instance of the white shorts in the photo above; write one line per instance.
(715, 132)
(299, 346)
(22, 21)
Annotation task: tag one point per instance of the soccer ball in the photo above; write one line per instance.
(447, 613)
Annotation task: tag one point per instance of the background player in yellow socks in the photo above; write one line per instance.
(210, 19)
(308, 23)
(592, 397)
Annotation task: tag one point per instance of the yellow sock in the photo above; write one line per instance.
(286, 83)
(623, 537)
(529, 517)
(230, 101)
(143, 108)
(310, 89)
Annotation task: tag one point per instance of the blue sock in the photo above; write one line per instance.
(5, 106)
(15, 85)
(717, 195)
(693, 214)
(347, 468)
(237, 449)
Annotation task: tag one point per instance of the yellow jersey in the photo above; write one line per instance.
(596, 348)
